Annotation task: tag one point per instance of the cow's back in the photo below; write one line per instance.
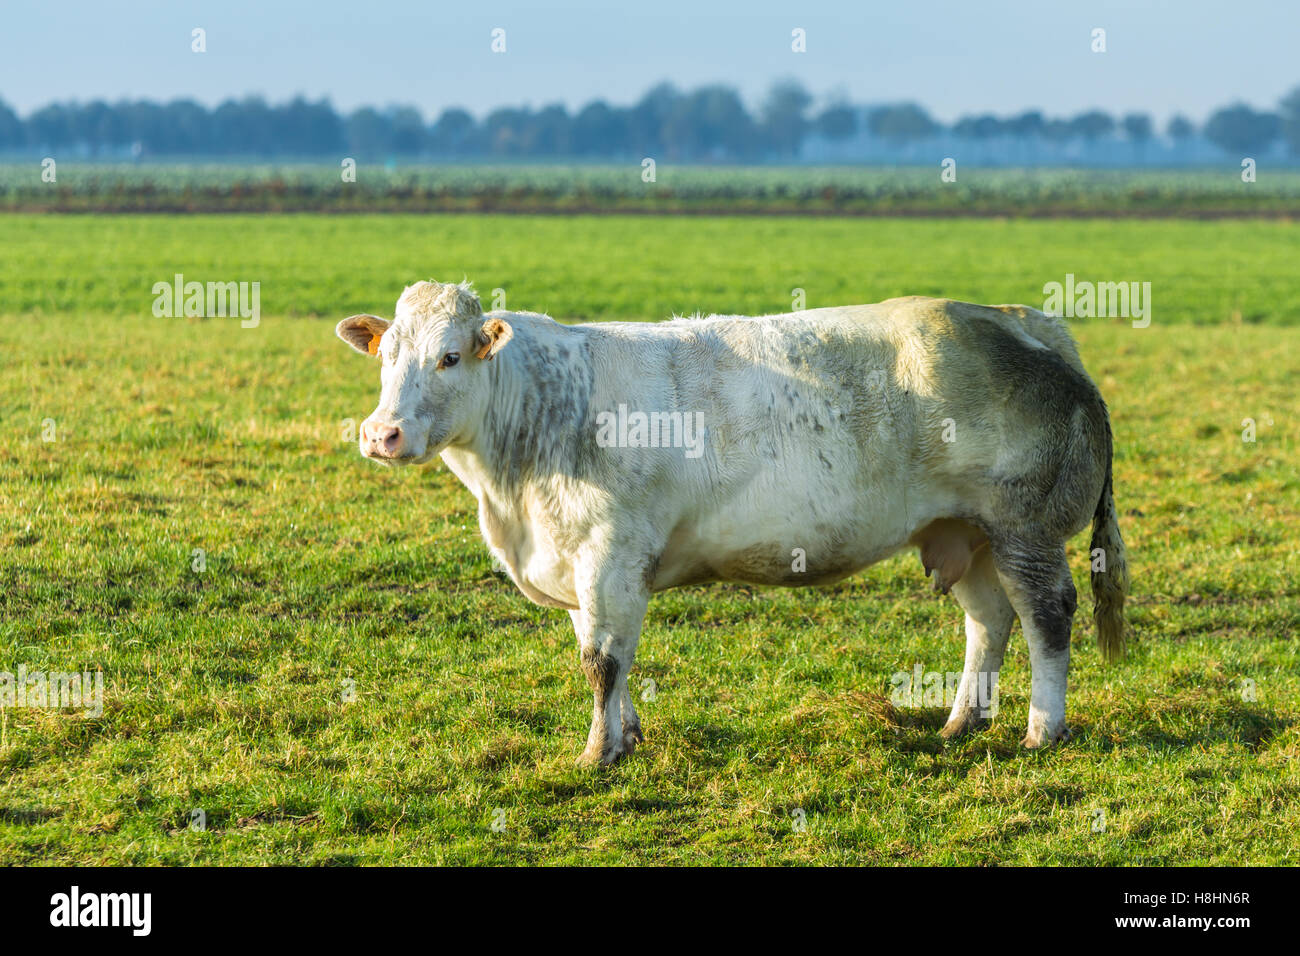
(839, 430)
(835, 433)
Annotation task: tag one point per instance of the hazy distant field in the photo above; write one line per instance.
(835, 190)
(225, 690)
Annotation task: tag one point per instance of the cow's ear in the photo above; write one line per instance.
(363, 332)
(492, 337)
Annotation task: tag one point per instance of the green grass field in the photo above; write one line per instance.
(349, 681)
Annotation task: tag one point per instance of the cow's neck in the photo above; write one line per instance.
(534, 427)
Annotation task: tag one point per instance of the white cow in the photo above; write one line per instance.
(614, 460)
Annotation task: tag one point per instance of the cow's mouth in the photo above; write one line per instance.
(392, 459)
(401, 459)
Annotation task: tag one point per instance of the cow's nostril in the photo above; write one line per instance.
(382, 440)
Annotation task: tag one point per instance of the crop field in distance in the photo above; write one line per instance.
(811, 190)
(345, 678)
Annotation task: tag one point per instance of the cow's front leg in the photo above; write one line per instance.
(631, 722)
(608, 625)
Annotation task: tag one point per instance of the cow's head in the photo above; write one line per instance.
(433, 381)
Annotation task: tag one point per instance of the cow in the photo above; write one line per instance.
(614, 460)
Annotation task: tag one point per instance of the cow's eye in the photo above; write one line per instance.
(450, 359)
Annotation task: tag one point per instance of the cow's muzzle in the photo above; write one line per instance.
(383, 440)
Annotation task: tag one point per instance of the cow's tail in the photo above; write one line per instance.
(1109, 569)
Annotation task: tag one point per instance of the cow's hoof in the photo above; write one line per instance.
(601, 758)
(963, 724)
(632, 736)
(1039, 738)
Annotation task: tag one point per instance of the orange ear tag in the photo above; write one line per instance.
(373, 347)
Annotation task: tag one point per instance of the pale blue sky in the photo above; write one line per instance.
(953, 57)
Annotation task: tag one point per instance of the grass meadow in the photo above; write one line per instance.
(348, 680)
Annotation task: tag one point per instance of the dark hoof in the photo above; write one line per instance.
(1038, 741)
(961, 726)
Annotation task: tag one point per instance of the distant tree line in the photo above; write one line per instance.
(710, 123)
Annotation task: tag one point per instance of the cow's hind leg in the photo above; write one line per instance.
(1038, 583)
(989, 617)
